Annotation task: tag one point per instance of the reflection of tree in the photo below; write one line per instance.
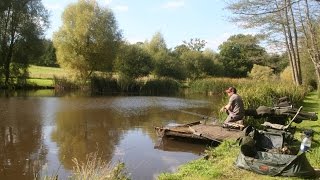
(82, 131)
(21, 154)
(79, 133)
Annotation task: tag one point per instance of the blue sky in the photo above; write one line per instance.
(176, 20)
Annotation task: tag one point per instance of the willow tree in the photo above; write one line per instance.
(88, 39)
(22, 23)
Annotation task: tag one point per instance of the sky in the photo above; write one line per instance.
(176, 20)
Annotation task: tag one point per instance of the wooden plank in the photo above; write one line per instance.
(201, 131)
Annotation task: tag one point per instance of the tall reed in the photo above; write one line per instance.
(64, 84)
(254, 93)
(161, 86)
(97, 169)
(104, 85)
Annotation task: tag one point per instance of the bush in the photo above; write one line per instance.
(261, 73)
(162, 86)
(64, 84)
(286, 75)
(103, 85)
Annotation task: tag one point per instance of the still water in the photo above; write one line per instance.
(41, 133)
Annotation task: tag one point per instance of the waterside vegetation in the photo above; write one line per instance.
(219, 162)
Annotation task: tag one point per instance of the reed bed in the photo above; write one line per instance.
(161, 86)
(254, 93)
(101, 85)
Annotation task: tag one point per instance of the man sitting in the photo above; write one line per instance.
(234, 108)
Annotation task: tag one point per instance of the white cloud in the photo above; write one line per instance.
(121, 8)
(174, 4)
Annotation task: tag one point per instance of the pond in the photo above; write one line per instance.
(40, 132)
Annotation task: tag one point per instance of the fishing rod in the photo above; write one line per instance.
(200, 115)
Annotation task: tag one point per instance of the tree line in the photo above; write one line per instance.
(90, 42)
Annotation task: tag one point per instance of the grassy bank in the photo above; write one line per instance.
(41, 72)
(220, 160)
(49, 77)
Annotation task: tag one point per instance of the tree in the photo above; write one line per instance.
(239, 53)
(88, 40)
(277, 62)
(214, 66)
(286, 22)
(179, 50)
(157, 49)
(133, 62)
(310, 26)
(157, 44)
(47, 56)
(195, 44)
(170, 66)
(197, 65)
(22, 24)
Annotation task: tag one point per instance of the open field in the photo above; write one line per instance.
(40, 72)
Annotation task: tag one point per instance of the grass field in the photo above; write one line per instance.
(40, 72)
(43, 76)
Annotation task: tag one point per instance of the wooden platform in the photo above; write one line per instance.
(199, 131)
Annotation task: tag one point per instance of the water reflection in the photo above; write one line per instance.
(51, 131)
(175, 145)
(22, 154)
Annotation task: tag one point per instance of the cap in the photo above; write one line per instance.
(231, 89)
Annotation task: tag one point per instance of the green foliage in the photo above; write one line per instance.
(261, 73)
(286, 75)
(179, 50)
(275, 61)
(197, 65)
(22, 25)
(103, 85)
(133, 62)
(239, 53)
(62, 83)
(88, 39)
(161, 86)
(170, 67)
(254, 93)
(215, 85)
(48, 55)
(128, 85)
(157, 44)
(308, 72)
